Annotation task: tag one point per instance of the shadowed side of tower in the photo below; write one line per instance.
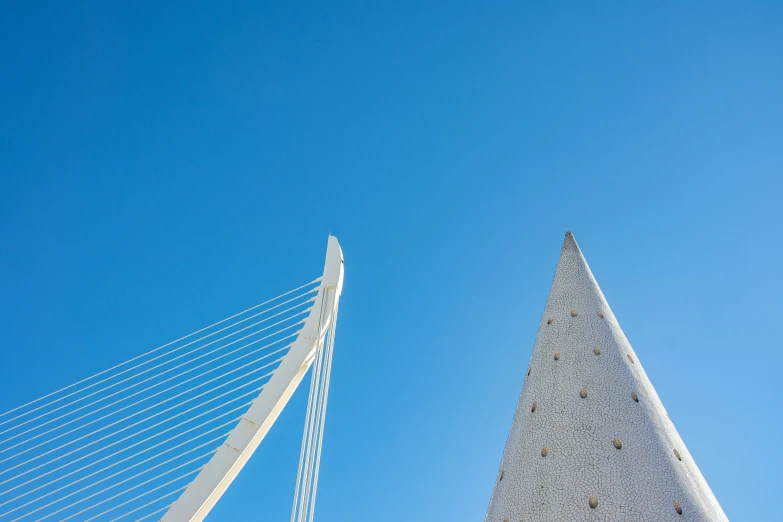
(590, 439)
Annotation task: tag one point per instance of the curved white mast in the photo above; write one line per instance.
(209, 485)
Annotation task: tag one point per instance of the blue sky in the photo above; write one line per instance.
(164, 166)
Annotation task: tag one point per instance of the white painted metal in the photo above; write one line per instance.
(591, 440)
(203, 493)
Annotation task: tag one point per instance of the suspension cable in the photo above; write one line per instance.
(143, 494)
(330, 353)
(125, 459)
(127, 427)
(150, 503)
(200, 457)
(171, 360)
(160, 383)
(312, 437)
(224, 425)
(150, 352)
(221, 437)
(304, 439)
(145, 399)
(161, 510)
(126, 438)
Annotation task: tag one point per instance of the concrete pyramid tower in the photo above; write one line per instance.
(590, 438)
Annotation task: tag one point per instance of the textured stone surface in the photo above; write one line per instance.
(638, 479)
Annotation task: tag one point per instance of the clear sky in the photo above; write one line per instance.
(165, 164)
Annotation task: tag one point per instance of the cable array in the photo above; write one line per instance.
(124, 443)
(312, 438)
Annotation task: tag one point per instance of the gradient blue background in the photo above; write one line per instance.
(165, 164)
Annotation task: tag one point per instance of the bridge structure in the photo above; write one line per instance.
(163, 435)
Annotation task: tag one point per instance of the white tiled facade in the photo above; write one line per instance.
(598, 445)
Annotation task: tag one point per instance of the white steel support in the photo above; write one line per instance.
(203, 493)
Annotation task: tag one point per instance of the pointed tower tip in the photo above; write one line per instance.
(587, 399)
(569, 243)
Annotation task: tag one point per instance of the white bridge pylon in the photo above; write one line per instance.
(165, 433)
(213, 480)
